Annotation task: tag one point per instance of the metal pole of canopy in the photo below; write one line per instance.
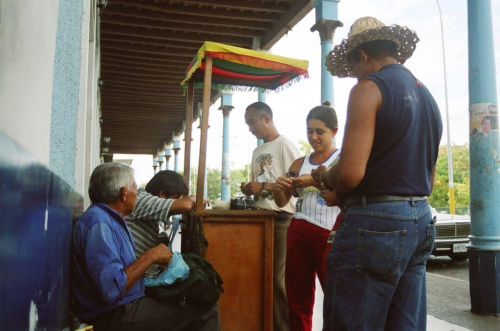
(188, 133)
(207, 85)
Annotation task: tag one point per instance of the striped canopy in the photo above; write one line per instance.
(236, 68)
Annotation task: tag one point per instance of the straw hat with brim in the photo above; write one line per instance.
(370, 29)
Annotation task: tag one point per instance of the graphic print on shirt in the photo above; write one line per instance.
(264, 168)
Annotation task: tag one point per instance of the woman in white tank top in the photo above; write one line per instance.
(313, 220)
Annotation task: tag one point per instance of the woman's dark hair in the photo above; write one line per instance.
(374, 49)
(168, 181)
(325, 114)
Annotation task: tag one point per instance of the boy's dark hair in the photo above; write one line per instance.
(374, 49)
(325, 114)
(168, 181)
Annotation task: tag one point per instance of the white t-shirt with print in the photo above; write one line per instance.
(270, 161)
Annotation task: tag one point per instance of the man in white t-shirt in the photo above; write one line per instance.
(270, 161)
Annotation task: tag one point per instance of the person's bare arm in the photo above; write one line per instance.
(182, 205)
(160, 254)
(364, 101)
(283, 188)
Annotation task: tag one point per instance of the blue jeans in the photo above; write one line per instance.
(376, 268)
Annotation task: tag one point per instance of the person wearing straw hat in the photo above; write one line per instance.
(376, 267)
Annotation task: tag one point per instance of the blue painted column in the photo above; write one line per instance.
(484, 249)
(168, 154)
(326, 24)
(160, 160)
(155, 164)
(225, 183)
(177, 147)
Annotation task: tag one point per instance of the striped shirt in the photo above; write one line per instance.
(143, 222)
(311, 206)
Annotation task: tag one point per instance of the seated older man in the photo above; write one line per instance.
(107, 279)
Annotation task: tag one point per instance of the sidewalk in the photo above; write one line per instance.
(483, 323)
(434, 324)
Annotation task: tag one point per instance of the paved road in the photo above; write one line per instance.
(445, 266)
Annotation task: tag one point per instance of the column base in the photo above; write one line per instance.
(484, 275)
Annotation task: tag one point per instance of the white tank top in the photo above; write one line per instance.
(311, 206)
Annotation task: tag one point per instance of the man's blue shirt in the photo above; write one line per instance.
(102, 248)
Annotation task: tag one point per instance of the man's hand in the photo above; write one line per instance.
(162, 254)
(251, 188)
(316, 175)
(330, 198)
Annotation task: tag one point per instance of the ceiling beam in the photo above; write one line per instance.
(123, 71)
(197, 38)
(182, 18)
(183, 27)
(139, 64)
(144, 40)
(243, 5)
(110, 81)
(195, 11)
(165, 51)
(127, 90)
(132, 54)
(298, 10)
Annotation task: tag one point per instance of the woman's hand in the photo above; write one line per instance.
(283, 184)
(303, 181)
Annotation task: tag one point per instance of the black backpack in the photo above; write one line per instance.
(202, 287)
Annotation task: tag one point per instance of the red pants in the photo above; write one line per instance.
(305, 258)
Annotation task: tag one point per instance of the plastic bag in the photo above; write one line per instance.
(176, 270)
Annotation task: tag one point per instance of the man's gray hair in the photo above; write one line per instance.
(106, 181)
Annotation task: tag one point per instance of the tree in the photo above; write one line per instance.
(304, 147)
(237, 176)
(461, 176)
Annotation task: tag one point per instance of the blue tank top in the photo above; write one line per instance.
(408, 130)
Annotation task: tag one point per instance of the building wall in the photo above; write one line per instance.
(38, 209)
(66, 89)
(49, 144)
(27, 51)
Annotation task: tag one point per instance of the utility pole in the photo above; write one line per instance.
(450, 159)
(484, 247)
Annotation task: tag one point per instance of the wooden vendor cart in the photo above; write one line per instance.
(240, 242)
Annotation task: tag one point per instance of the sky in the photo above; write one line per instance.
(291, 105)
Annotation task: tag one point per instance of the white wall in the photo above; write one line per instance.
(27, 48)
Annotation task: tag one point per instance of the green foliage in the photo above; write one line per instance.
(213, 184)
(237, 176)
(461, 175)
(304, 147)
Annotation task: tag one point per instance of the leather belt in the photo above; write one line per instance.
(366, 199)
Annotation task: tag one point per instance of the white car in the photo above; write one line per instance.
(452, 235)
